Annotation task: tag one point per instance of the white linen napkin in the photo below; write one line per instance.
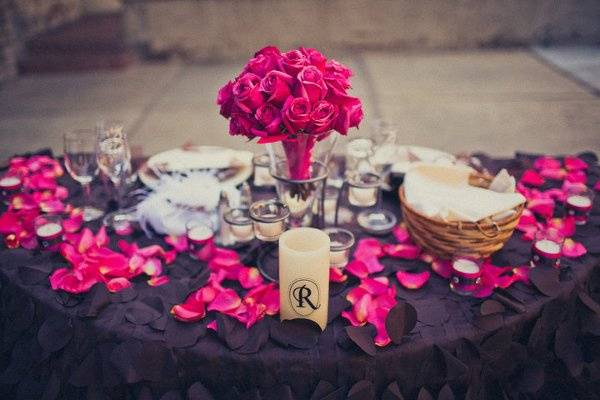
(444, 192)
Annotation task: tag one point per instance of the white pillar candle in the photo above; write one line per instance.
(49, 230)
(304, 275)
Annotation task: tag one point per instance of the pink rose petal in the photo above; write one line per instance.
(212, 325)
(401, 234)
(542, 207)
(373, 265)
(577, 177)
(117, 284)
(184, 313)
(531, 178)
(158, 280)
(375, 286)
(573, 249)
(357, 268)
(179, 243)
(336, 275)
(573, 163)
(442, 267)
(152, 267)
(546, 162)
(226, 300)
(405, 251)
(124, 229)
(566, 226)
(411, 280)
(557, 174)
(249, 277)
(368, 248)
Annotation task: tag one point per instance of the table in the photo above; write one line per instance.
(126, 345)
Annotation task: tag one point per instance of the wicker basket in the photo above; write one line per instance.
(445, 239)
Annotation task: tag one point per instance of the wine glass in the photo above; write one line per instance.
(80, 161)
(114, 160)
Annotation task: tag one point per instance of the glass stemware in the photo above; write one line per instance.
(80, 162)
(114, 159)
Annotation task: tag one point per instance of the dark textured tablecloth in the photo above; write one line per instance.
(127, 346)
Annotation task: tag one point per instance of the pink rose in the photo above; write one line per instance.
(336, 77)
(260, 65)
(314, 57)
(269, 118)
(225, 99)
(276, 85)
(322, 117)
(241, 124)
(296, 114)
(271, 52)
(246, 90)
(311, 84)
(292, 62)
(350, 115)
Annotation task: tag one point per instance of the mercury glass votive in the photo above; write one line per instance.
(198, 232)
(341, 241)
(466, 275)
(363, 189)
(268, 219)
(49, 230)
(9, 186)
(240, 224)
(579, 202)
(262, 173)
(547, 248)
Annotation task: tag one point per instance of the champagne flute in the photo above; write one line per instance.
(114, 159)
(80, 161)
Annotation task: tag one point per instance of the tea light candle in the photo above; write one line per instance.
(268, 217)
(9, 185)
(546, 252)
(341, 242)
(466, 276)
(240, 224)
(362, 197)
(198, 234)
(49, 230)
(579, 206)
(304, 275)
(363, 189)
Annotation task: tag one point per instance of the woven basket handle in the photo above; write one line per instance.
(495, 233)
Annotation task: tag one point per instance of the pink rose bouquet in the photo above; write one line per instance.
(298, 98)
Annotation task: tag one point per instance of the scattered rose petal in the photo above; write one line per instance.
(117, 284)
(152, 267)
(336, 275)
(373, 265)
(158, 280)
(442, 267)
(357, 268)
(401, 233)
(532, 178)
(405, 251)
(576, 177)
(184, 313)
(249, 277)
(573, 249)
(566, 226)
(179, 243)
(226, 300)
(412, 280)
(557, 174)
(368, 248)
(124, 229)
(212, 325)
(573, 163)
(542, 207)
(375, 286)
(546, 162)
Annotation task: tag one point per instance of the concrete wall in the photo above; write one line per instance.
(209, 29)
(21, 19)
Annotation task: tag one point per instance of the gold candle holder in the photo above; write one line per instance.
(304, 275)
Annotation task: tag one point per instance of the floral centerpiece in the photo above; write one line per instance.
(297, 98)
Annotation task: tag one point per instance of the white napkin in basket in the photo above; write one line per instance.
(444, 192)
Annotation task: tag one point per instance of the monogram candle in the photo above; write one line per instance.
(304, 258)
(466, 276)
(49, 230)
(579, 203)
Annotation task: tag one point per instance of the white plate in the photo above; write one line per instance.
(409, 155)
(235, 166)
